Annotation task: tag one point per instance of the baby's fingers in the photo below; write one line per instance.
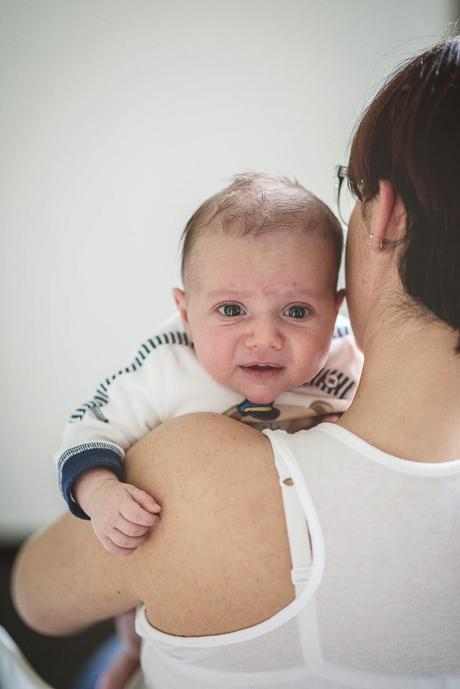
(130, 529)
(143, 499)
(130, 543)
(135, 513)
(114, 549)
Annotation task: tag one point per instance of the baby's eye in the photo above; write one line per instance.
(231, 310)
(297, 311)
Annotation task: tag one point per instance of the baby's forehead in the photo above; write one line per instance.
(223, 249)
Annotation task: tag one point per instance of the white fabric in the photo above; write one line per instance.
(170, 381)
(299, 537)
(15, 671)
(381, 608)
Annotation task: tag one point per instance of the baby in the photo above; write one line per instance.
(258, 338)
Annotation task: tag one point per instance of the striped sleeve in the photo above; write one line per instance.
(124, 407)
(74, 462)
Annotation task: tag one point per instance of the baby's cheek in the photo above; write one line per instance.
(311, 357)
(223, 360)
(214, 357)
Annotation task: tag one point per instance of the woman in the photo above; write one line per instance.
(368, 595)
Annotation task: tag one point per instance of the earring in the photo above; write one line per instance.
(381, 243)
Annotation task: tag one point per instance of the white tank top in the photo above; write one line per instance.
(378, 594)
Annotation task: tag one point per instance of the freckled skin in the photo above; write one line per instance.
(261, 310)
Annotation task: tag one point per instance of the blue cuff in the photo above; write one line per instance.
(78, 463)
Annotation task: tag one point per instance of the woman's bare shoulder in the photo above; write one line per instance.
(204, 426)
(195, 442)
(217, 561)
(221, 536)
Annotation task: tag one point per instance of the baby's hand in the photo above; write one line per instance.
(121, 514)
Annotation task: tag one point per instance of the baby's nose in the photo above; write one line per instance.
(264, 335)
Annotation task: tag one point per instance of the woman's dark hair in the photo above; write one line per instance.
(410, 135)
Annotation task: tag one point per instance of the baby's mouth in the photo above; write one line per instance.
(260, 366)
(262, 370)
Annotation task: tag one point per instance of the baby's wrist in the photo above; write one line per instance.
(88, 483)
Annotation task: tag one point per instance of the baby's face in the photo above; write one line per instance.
(261, 310)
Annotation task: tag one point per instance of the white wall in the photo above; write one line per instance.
(117, 119)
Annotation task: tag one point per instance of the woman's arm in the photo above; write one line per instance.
(217, 561)
(63, 579)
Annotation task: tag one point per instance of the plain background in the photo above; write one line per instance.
(117, 119)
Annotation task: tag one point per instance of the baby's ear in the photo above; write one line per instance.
(181, 303)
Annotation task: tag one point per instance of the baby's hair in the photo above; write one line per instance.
(254, 203)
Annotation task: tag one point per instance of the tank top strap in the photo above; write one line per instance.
(298, 534)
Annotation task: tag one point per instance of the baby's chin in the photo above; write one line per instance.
(260, 399)
(259, 396)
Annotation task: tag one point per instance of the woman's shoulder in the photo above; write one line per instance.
(199, 440)
(222, 522)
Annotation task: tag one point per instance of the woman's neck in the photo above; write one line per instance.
(408, 399)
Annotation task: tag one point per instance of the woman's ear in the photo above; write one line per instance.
(387, 219)
(181, 303)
